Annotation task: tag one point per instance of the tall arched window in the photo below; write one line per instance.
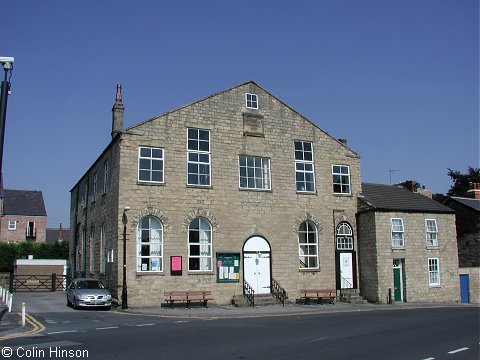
(308, 245)
(149, 245)
(199, 245)
(92, 249)
(344, 237)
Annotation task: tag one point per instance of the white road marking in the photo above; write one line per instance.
(62, 332)
(458, 350)
(107, 328)
(145, 325)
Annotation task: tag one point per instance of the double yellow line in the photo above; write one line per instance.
(36, 325)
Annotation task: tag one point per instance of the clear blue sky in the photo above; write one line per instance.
(398, 79)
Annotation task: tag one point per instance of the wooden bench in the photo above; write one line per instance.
(327, 295)
(187, 297)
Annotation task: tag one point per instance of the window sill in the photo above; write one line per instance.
(306, 192)
(433, 247)
(398, 248)
(342, 195)
(144, 183)
(435, 286)
(309, 270)
(201, 272)
(146, 273)
(199, 186)
(257, 190)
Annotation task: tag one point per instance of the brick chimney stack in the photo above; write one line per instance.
(474, 191)
(117, 113)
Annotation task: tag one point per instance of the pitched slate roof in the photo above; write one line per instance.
(53, 234)
(24, 202)
(471, 203)
(393, 198)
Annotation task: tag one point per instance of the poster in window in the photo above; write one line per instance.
(228, 267)
(175, 265)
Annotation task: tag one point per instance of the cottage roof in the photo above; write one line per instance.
(393, 198)
(24, 202)
(469, 202)
(53, 234)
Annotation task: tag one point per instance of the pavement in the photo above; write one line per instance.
(10, 323)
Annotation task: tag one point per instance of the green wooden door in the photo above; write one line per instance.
(397, 283)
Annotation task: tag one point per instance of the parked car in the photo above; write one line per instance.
(88, 293)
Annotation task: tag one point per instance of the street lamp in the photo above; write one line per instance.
(7, 64)
(124, 286)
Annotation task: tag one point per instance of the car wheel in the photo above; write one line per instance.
(75, 306)
(69, 304)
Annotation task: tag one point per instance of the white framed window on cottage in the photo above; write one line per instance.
(432, 232)
(254, 173)
(149, 245)
(304, 167)
(433, 272)
(251, 101)
(344, 236)
(12, 225)
(341, 179)
(397, 232)
(199, 245)
(308, 245)
(150, 164)
(198, 157)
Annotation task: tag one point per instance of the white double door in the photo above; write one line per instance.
(256, 264)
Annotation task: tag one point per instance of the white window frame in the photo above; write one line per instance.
(106, 176)
(397, 229)
(12, 225)
(204, 245)
(251, 101)
(198, 160)
(344, 235)
(92, 250)
(431, 232)
(151, 160)
(306, 231)
(94, 185)
(155, 248)
(304, 167)
(341, 179)
(103, 248)
(257, 174)
(110, 256)
(433, 271)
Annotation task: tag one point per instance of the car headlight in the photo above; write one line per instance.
(81, 297)
(108, 297)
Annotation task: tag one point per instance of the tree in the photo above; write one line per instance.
(461, 182)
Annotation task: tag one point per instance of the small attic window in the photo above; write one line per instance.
(251, 101)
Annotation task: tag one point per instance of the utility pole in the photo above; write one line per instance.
(7, 64)
(390, 173)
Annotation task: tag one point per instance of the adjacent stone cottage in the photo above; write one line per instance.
(407, 246)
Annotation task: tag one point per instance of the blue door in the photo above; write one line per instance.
(464, 289)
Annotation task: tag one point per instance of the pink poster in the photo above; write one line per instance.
(176, 263)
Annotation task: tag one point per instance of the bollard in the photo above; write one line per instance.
(10, 301)
(23, 314)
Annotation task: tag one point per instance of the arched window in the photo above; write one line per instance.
(149, 245)
(344, 237)
(199, 245)
(308, 245)
(92, 249)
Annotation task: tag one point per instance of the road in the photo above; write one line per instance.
(425, 333)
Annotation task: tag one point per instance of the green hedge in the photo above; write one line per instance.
(11, 252)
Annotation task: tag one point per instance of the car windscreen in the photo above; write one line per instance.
(90, 284)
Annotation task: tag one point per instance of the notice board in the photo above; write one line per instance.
(228, 267)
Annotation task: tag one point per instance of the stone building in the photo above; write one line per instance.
(23, 216)
(407, 246)
(234, 187)
(467, 211)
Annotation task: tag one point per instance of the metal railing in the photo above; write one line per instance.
(249, 293)
(278, 292)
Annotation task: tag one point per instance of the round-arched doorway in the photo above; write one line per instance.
(256, 264)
